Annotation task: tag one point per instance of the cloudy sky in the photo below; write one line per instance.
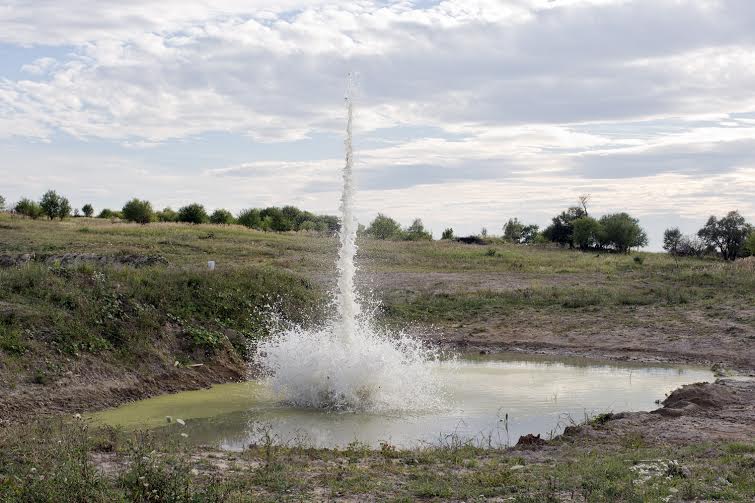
(468, 111)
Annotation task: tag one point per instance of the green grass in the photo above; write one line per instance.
(71, 461)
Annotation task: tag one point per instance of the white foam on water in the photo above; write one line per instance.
(350, 363)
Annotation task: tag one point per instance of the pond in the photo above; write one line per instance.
(491, 401)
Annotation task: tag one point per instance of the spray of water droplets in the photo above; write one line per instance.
(350, 363)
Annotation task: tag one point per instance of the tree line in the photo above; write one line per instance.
(730, 237)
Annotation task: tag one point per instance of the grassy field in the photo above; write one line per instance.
(59, 461)
(94, 313)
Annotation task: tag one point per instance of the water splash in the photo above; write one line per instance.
(350, 363)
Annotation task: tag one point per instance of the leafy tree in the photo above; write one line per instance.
(587, 232)
(727, 235)
(512, 231)
(622, 232)
(88, 210)
(28, 208)
(64, 210)
(221, 216)
(561, 231)
(447, 234)
(250, 218)
(167, 215)
(138, 211)
(749, 246)
(417, 232)
(530, 234)
(2, 203)
(384, 227)
(671, 240)
(193, 214)
(275, 219)
(51, 204)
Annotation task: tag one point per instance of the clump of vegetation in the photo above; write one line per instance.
(386, 228)
(138, 211)
(193, 214)
(107, 213)
(55, 206)
(222, 217)
(727, 235)
(28, 208)
(87, 210)
(167, 215)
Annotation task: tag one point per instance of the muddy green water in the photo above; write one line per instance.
(490, 401)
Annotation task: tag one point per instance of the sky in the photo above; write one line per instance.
(468, 112)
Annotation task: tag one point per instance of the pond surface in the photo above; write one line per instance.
(492, 400)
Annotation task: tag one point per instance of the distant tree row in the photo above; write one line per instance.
(288, 218)
(50, 205)
(386, 228)
(730, 237)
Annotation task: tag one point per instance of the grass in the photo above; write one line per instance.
(65, 461)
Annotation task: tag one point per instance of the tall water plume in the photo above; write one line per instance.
(349, 362)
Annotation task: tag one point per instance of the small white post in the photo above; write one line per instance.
(211, 265)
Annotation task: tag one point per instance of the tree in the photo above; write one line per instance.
(108, 213)
(138, 211)
(51, 204)
(691, 246)
(417, 232)
(530, 234)
(512, 231)
(587, 232)
(167, 215)
(222, 217)
(584, 199)
(622, 232)
(88, 210)
(749, 246)
(384, 227)
(64, 210)
(250, 218)
(2, 203)
(447, 234)
(561, 231)
(727, 235)
(76, 213)
(193, 214)
(671, 240)
(28, 208)
(275, 219)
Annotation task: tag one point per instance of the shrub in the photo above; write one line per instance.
(384, 227)
(88, 210)
(671, 239)
(587, 232)
(167, 215)
(622, 232)
(138, 211)
(193, 214)
(447, 234)
(222, 217)
(28, 208)
(561, 230)
(2, 203)
(250, 218)
(417, 232)
(512, 231)
(749, 246)
(108, 213)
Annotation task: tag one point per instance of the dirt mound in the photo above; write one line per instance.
(693, 397)
(74, 259)
(530, 441)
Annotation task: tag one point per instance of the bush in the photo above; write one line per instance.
(88, 210)
(561, 231)
(512, 231)
(138, 211)
(108, 213)
(447, 234)
(28, 208)
(622, 232)
(384, 227)
(587, 232)
(2, 203)
(417, 232)
(749, 246)
(222, 217)
(193, 214)
(250, 218)
(167, 215)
